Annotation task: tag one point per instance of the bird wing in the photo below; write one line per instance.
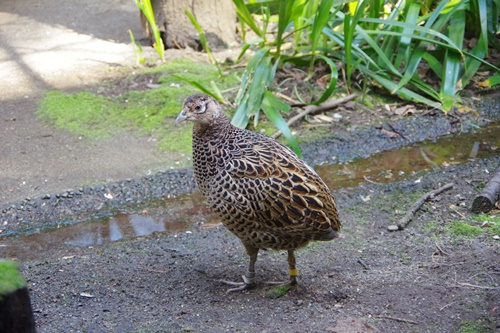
(283, 193)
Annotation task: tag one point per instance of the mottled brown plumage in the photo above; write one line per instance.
(267, 196)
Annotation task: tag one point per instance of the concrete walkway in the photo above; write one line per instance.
(62, 44)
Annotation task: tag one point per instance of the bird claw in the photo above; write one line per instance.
(246, 284)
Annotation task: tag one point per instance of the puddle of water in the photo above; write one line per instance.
(397, 164)
(170, 215)
(178, 214)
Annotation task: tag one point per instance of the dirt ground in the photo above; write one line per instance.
(422, 279)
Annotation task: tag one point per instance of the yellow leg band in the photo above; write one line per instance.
(294, 272)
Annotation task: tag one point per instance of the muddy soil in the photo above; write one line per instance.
(422, 279)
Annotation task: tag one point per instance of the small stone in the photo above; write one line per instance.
(393, 228)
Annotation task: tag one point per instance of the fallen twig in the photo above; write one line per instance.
(397, 319)
(486, 200)
(440, 249)
(329, 104)
(416, 206)
(465, 284)
(370, 181)
(447, 305)
(362, 263)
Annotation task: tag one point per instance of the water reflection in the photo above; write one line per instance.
(118, 227)
(171, 215)
(393, 165)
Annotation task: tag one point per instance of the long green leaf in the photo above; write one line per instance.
(320, 22)
(214, 92)
(147, 9)
(407, 34)
(481, 49)
(245, 16)
(271, 106)
(333, 80)
(203, 40)
(434, 64)
(421, 48)
(403, 92)
(451, 68)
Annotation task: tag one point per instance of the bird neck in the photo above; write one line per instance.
(217, 127)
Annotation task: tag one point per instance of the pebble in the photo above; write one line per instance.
(393, 228)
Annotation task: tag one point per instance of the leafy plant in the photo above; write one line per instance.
(385, 42)
(378, 43)
(147, 9)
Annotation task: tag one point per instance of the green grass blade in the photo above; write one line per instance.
(250, 69)
(350, 27)
(240, 118)
(245, 16)
(403, 92)
(287, 12)
(481, 49)
(203, 40)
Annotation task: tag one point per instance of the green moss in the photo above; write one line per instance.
(463, 229)
(151, 111)
(178, 139)
(494, 223)
(469, 326)
(431, 226)
(278, 291)
(10, 279)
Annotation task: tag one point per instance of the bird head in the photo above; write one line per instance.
(199, 108)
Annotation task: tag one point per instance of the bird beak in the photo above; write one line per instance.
(180, 118)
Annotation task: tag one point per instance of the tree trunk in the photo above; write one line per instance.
(217, 18)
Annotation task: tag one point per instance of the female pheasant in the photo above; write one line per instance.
(266, 195)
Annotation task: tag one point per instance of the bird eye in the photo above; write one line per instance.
(199, 108)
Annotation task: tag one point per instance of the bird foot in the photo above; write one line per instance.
(291, 282)
(248, 282)
(281, 283)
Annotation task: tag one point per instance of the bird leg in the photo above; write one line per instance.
(294, 272)
(249, 277)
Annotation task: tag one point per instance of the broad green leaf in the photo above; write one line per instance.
(451, 68)
(271, 106)
(434, 64)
